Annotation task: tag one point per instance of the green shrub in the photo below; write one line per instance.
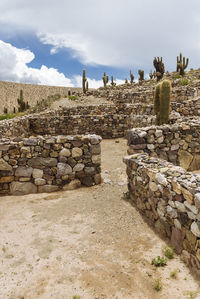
(168, 252)
(73, 98)
(157, 285)
(159, 261)
(184, 82)
(173, 274)
(7, 116)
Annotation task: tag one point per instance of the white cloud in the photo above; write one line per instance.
(111, 32)
(13, 67)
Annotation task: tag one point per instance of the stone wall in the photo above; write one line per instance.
(144, 94)
(170, 197)
(109, 121)
(178, 143)
(10, 91)
(47, 164)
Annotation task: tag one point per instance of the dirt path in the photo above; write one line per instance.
(81, 101)
(88, 242)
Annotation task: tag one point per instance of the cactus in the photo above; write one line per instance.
(21, 103)
(27, 106)
(126, 81)
(157, 103)
(162, 98)
(160, 68)
(141, 74)
(151, 75)
(112, 82)
(87, 85)
(181, 64)
(84, 79)
(105, 79)
(132, 77)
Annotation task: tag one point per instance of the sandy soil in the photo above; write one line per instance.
(83, 101)
(87, 242)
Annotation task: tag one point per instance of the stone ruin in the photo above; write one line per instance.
(60, 150)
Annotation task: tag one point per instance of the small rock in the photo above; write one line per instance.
(195, 228)
(160, 178)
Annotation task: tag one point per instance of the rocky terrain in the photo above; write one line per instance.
(89, 243)
(99, 242)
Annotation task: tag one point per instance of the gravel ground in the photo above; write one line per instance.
(88, 242)
(83, 101)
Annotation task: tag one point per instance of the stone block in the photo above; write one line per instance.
(21, 188)
(47, 188)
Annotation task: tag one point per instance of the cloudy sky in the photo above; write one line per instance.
(52, 41)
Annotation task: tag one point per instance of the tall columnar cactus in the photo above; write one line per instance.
(162, 99)
(87, 85)
(160, 67)
(112, 82)
(21, 103)
(105, 79)
(157, 103)
(181, 64)
(141, 75)
(132, 77)
(84, 79)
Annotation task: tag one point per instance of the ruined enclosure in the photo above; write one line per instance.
(47, 164)
(163, 179)
(61, 150)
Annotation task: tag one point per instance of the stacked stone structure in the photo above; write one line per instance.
(47, 164)
(164, 182)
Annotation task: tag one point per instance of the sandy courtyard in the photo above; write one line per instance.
(87, 243)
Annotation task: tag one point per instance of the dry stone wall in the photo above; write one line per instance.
(109, 121)
(47, 164)
(10, 92)
(178, 143)
(170, 197)
(144, 94)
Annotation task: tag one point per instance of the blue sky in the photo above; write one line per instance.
(51, 42)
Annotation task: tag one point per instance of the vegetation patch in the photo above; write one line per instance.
(157, 284)
(168, 252)
(159, 261)
(44, 103)
(73, 98)
(184, 82)
(174, 274)
(11, 115)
